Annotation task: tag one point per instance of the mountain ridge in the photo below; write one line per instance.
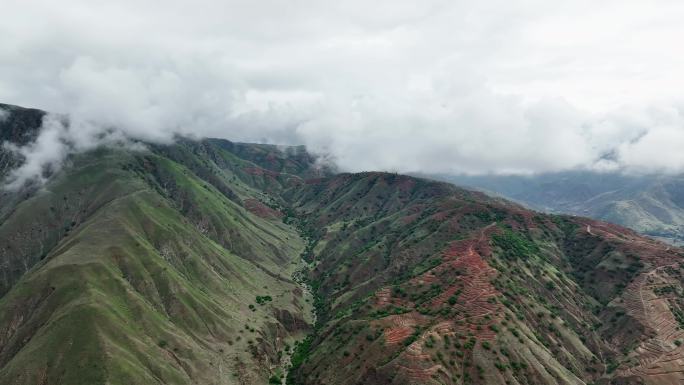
(650, 204)
(207, 262)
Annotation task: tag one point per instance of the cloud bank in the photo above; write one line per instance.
(430, 86)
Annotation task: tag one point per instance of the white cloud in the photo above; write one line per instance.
(58, 138)
(432, 86)
(46, 153)
(659, 148)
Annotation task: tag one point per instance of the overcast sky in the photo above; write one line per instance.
(432, 86)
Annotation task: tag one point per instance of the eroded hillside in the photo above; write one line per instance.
(422, 282)
(183, 264)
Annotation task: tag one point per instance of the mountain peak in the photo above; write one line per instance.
(19, 125)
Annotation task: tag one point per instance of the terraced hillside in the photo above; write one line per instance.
(423, 283)
(192, 263)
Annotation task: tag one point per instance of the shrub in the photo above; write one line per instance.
(514, 246)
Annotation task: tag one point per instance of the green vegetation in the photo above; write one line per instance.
(664, 290)
(261, 300)
(301, 352)
(514, 246)
(413, 337)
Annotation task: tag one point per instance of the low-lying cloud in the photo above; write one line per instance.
(432, 86)
(59, 137)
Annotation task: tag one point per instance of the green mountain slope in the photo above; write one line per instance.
(202, 262)
(127, 267)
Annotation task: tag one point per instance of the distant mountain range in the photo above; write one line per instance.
(210, 262)
(650, 204)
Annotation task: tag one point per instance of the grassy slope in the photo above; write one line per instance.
(149, 280)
